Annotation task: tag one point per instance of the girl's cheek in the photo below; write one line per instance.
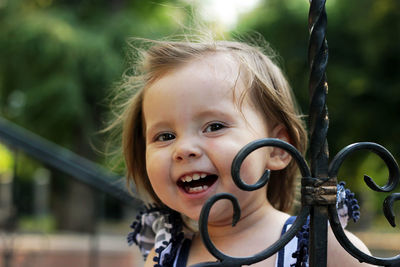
(222, 153)
(154, 162)
(254, 166)
(222, 150)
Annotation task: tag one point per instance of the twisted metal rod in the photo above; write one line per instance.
(318, 88)
(318, 125)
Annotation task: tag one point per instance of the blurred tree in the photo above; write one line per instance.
(59, 59)
(58, 62)
(283, 23)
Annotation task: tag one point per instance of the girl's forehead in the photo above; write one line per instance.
(218, 63)
(223, 67)
(218, 67)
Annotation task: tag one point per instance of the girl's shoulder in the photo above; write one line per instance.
(338, 256)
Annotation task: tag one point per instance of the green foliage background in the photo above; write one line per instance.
(59, 60)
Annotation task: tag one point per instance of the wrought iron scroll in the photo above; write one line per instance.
(391, 184)
(226, 260)
(319, 183)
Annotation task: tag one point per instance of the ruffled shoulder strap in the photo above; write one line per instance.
(347, 205)
(158, 227)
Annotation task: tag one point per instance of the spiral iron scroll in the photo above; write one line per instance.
(226, 260)
(393, 181)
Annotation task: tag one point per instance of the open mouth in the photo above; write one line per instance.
(197, 182)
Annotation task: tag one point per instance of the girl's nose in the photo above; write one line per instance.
(186, 150)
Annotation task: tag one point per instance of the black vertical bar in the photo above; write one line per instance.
(318, 236)
(318, 124)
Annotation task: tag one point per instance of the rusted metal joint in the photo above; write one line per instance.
(318, 191)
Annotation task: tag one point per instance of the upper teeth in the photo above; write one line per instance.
(193, 177)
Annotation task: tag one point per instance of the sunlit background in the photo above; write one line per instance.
(61, 59)
(225, 13)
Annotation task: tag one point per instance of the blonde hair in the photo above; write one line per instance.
(265, 86)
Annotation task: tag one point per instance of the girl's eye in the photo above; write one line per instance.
(164, 137)
(214, 127)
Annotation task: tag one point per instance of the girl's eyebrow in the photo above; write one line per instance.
(212, 112)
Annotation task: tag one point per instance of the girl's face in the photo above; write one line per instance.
(194, 128)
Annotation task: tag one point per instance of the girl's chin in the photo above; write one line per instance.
(215, 217)
(190, 215)
(193, 221)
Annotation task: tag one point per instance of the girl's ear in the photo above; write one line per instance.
(278, 158)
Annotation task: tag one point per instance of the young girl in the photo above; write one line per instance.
(196, 104)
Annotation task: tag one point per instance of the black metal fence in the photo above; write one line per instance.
(319, 182)
(63, 162)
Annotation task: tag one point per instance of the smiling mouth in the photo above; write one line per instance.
(197, 182)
